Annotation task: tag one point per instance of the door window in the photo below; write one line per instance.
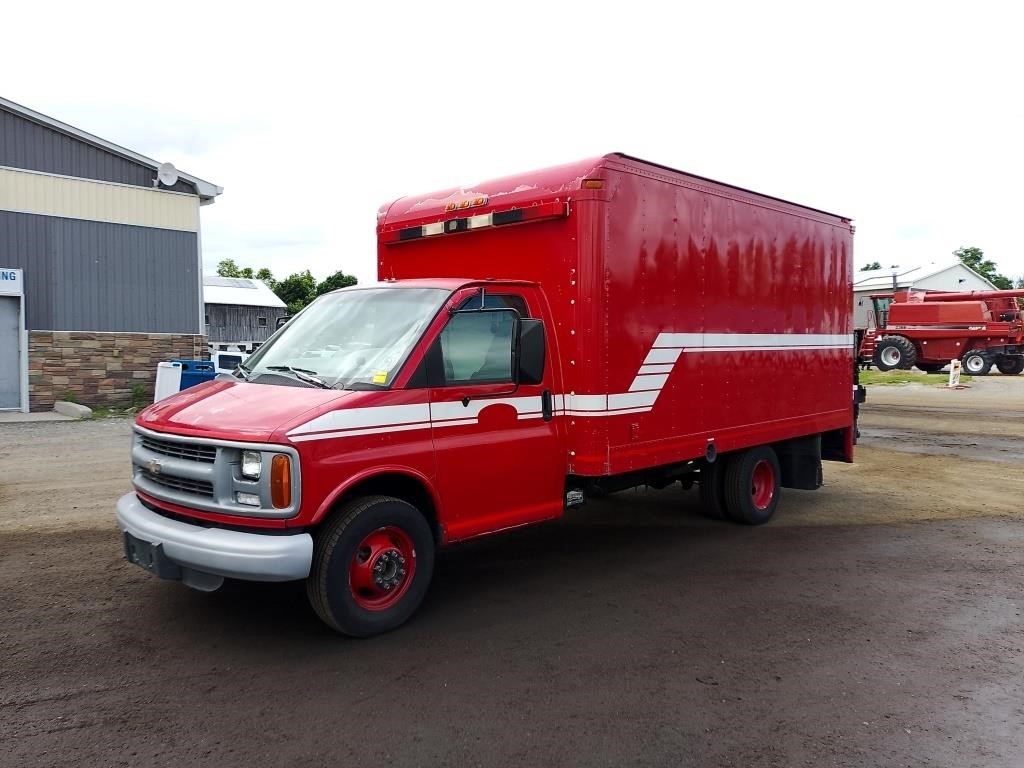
(476, 347)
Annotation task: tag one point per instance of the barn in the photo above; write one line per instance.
(102, 262)
(240, 312)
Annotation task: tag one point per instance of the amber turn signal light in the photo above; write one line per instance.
(281, 481)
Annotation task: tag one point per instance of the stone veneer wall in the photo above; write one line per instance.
(101, 368)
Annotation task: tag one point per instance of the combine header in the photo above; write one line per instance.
(980, 328)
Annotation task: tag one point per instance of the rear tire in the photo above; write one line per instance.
(976, 363)
(372, 565)
(712, 490)
(893, 352)
(752, 486)
(1010, 365)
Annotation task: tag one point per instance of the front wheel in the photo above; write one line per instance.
(372, 565)
(892, 352)
(752, 483)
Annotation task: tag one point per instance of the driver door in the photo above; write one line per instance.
(498, 454)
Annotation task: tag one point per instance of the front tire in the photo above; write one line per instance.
(372, 565)
(1010, 365)
(976, 363)
(893, 352)
(752, 485)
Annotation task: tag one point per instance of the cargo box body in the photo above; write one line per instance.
(682, 312)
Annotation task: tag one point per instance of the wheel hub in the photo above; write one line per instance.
(891, 356)
(389, 570)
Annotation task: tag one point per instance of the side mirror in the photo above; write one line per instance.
(531, 351)
(281, 322)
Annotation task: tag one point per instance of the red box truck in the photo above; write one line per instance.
(534, 340)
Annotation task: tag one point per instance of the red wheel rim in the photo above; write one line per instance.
(382, 568)
(762, 484)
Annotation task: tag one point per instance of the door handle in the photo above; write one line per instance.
(547, 407)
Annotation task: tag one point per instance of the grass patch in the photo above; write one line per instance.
(106, 412)
(908, 377)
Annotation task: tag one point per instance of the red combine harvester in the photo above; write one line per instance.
(980, 328)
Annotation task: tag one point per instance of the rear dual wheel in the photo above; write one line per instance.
(1010, 365)
(743, 487)
(372, 566)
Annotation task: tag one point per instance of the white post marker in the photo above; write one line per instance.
(954, 374)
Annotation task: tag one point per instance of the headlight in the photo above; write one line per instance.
(252, 464)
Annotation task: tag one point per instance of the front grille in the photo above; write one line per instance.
(198, 487)
(190, 451)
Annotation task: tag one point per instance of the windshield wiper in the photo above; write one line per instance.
(302, 374)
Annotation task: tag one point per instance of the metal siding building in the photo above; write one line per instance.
(111, 261)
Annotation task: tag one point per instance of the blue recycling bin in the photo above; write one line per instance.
(195, 372)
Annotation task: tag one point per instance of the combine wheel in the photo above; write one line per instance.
(976, 363)
(371, 566)
(1010, 365)
(894, 352)
(752, 485)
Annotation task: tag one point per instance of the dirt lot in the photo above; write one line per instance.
(874, 622)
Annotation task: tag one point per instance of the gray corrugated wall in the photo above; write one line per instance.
(29, 145)
(95, 276)
(231, 323)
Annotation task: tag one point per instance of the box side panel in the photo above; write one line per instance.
(727, 321)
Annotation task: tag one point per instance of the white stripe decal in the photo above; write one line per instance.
(651, 378)
(642, 383)
(357, 418)
(655, 369)
(662, 355)
(768, 340)
(632, 400)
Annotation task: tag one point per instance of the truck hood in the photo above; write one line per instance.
(235, 410)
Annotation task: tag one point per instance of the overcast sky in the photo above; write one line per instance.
(905, 116)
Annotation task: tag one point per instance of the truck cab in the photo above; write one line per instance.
(391, 392)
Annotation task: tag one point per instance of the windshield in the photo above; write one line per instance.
(353, 337)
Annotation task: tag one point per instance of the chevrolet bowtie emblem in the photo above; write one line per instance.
(154, 466)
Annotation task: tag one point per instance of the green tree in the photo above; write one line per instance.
(333, 282)
(267, 277)
(975, 259)
(228, 268)
(871, 266)
(296, 290)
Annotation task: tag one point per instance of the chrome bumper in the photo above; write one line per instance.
(208, 555)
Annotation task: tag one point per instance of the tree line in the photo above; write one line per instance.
(297, 290)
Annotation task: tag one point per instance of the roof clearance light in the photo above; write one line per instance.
(593, 183)
(469, 202)
(554, 210)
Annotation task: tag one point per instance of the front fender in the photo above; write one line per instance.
(368, 476)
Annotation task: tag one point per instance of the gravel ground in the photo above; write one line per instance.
(876, 621)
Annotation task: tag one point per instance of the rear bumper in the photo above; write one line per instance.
(217, 552)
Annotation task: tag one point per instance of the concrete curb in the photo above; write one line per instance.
(74, 410)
